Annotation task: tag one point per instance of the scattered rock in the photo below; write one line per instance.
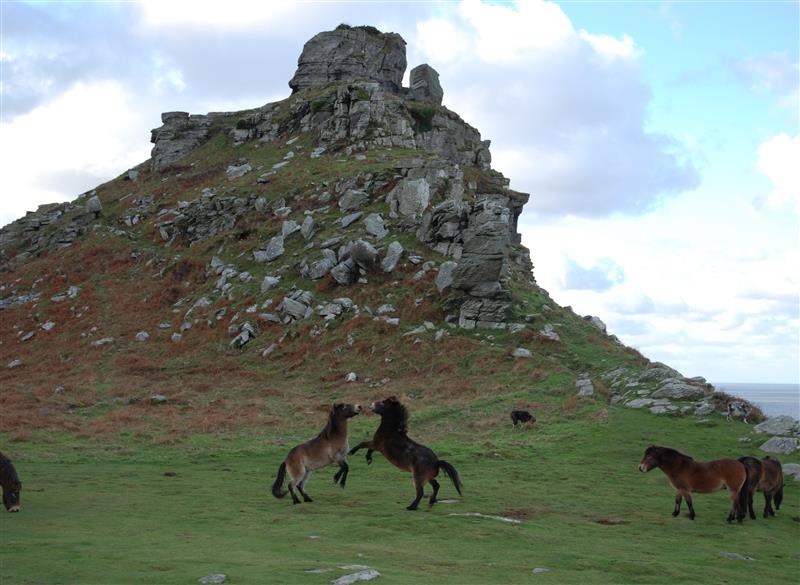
(352, 199)
(584, 387)
(273, 251)
(444, 279)
(521, 352)
(213, 578)
(289, 227)
(307, 228)
(779, 425)
(792, 469)
(103, 341)
(158, 399)
(409, 198)
(350, 218)
(29, 335)
(269, 282)
(540, 570)
(549, 332)
(677, 389)
(479, 515)
(351, 377)
(367, 575)
(781, 445)
(236, 171)
(142, 336)
(374, 225)
(392, 257)
(14, 364)
(47, 326)
(93, 205)
(176, 337)
(736, 556)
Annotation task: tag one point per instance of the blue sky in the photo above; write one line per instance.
(659, 140)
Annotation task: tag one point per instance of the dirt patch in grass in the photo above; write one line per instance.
(609, 521)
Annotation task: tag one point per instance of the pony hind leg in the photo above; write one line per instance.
(419, 482)
(768, 511)
(677, 509)
(688, 497)
(435, 485)
(341, 475)
(301, 486)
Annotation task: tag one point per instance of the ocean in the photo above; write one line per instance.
(772, 399)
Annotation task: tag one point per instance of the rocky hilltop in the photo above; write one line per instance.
(351, 223)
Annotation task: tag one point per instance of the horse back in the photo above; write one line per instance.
(405, 453)
(709, 476)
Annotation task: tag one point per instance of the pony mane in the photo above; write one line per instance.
(332, 425)
(670, 454)
(395, 416)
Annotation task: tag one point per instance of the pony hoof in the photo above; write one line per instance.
(411, 508)
(675, 514)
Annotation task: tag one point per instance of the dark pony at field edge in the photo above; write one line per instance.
(391, 439)
(687, 476)
(11, 484)
(329, 446)
(522, 416)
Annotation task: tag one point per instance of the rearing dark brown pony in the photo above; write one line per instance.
(329, 446)
(11, 484)
(687, 475)
(391, 439)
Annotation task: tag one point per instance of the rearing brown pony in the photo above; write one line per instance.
(329, 446)
(391, 439)
(687, 475)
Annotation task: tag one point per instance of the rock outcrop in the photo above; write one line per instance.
(424, 85)
(352, 54)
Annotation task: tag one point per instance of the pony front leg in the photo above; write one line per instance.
(435, 485)
(361, 445)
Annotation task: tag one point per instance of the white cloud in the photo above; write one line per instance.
(778, 159)
(567, 109)
(212, 12)
(68, 146)
(603, 275)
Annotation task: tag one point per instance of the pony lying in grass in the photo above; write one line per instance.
(11, 484)
(329, 446)
(687, 475)
(391, 439)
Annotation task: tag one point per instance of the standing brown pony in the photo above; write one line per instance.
(329, 446)
(687, 475)
(10, 483)
(391, 439)
(771, 483)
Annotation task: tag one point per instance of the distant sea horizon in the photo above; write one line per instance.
(772, 399)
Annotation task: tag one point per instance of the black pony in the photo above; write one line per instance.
(391, 439)
(11, 484)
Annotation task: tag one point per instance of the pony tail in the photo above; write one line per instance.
(277, 487)
(743, 499)
(452, 474)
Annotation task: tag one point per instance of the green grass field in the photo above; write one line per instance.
(107, 513)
